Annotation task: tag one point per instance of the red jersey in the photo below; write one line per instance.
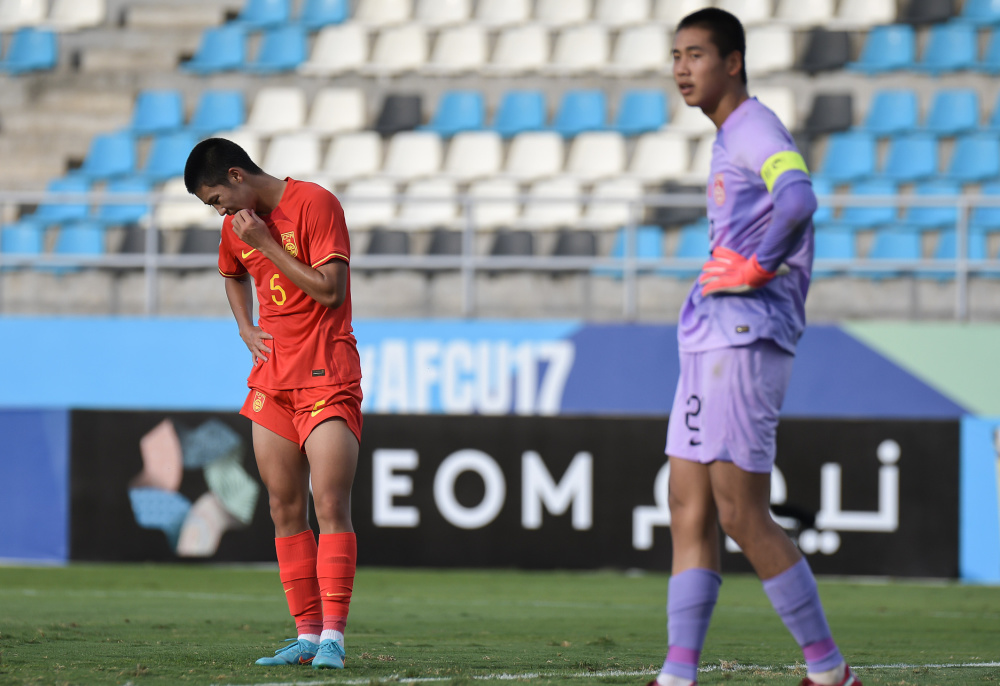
(313, 345)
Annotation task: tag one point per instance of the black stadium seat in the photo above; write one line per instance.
(830, 112)
(929, 11)
(399, 113)
(826, 51)
(388, 242)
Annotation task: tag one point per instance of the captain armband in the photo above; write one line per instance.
(778, 163)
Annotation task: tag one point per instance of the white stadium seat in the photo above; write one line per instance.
(473, 155)
(863, 14)
(15, 14)
(412, 154)
(520, 50)
(458, 49)
(368, 203)
(380, 13)
(769, 49)
(352, 156)
(640, 49)
(427, 203)
(246, 139)
(596, 155)
(580, 49)
(337, 110)
(616, 14)
(338, 49)
(277, 109)
(670, 12)
(500, 13)
(659, 156)
(551, 203)
(749, 12)
(293, 154)
(183, 209)
(690, 120)
(534, 155)
(73, 15)
(557, 13)
(438, 13)
(500, 206)
(781, 101)
(397, 50)
(613, 205)
(802, 14)
(701, 163)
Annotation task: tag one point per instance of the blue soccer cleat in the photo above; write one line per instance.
(298, 652)
(329, 656)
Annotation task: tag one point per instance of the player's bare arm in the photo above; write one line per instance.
(239, 292)
(326, 284)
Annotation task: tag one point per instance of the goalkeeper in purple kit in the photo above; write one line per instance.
(737, 335)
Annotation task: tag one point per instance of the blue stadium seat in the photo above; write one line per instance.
(316, 14)
(79, 239)
(458, 111)
(822, 186)
(981, 12)
(976, 158)
(987, 218)
(892, 112)
(947, 249)
(692, 243)
(520, 111)
(221, 49)
(648, 246)
(110, 155)
(641, 111)
(167, 156)
(895, 243)
(21, 238)
(157, 111)
(57, 213)
(912, 158)
(950, 47)
(833, 242)
(887, 48)
(850, 156)
(218, 110)
(262, 14)
(953, 112)
(579, 111)
(282, 48)
(30, 50)
(990, 63)
(936, 217)
(117, 213)
(867, 217)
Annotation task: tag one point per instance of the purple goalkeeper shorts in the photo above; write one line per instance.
(727, 405)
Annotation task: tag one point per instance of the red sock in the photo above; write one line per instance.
(297, 568)
(335, 565)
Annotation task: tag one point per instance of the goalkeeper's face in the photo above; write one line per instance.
(701, 74)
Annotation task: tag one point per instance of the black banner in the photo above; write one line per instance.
(860, 497)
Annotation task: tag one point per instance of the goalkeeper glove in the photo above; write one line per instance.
(730, 272)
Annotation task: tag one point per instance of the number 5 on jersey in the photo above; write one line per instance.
(279, 289)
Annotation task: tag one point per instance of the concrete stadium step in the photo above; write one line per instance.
(169, 16)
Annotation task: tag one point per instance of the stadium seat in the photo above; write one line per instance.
(338, 49)
(399, 113)
(397, 50)
(854, 15)
(353, 155)
(929, 11)
(182, 209)
(896, 243)
(953, 112)
(458, 111)
(579, 49)
(82, 239)
(512, 243)
(519, 111)
(21, 238)
(473, 155)
(575, 243)
(282, 49)
(648, 246)
(134, 240)
(293, 154)
(218, 110)
(316, 14)
(436, 14)
(981, 12)
(887, 48)
(579, 111)
(519, 50)
(551, 203)
(692, 244)
(829, 113)
(30, 50)
(458, 49)
(985, 218)
(670, 12)
(850, 156)
(221, 49)
(750, 12)
(264, 14)
(865, 217)
(637, 50)
(690, 121)
(640, 111)
(826, 51)
(15, 14)
(892, 112)
(912, 157)
(770, 49)
(337, 110)
(781, 101)
(427, 203)
(496, 14)
(976, 158)
(445, 242)
(559, 13)
(246, 139)
(382, 13)
(199, 241)
(73, 15)
(824, 213)
(110, 155)
(596, 155)
(804, 14)
(412, 154)
(617, 14)
(614, 202)
(950, 47)
(495, 203)
(157, 111)
(679, 215)
(368, 203)
(58, 212)
(990, 63)
(534, 155)
(833, 242)
(947, 249)
(167, 155)
(938, 216)
(701, 161)
(385, 241)
(277, 109)
(659, 156)
(115, 214)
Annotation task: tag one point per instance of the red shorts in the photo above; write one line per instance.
(293, 414)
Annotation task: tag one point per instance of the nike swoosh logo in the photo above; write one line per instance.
(246, 253)
(318, 407)
(335, 594)
(288, 589)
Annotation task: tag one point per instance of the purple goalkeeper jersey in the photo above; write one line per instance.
(740, 210)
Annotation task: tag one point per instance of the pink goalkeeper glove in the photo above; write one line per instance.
(730, 272)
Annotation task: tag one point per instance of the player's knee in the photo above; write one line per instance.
(332, 506)
(285, 509)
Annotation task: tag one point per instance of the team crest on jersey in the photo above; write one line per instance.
(288, 241)
(258, 401)
(719, 190)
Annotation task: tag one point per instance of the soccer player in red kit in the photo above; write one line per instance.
(305, 384)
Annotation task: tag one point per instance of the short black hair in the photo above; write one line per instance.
(209, 162)
(726, 31)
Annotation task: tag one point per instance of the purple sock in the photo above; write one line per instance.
(690, 600)
(794, 596)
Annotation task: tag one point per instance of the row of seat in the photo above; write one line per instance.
(950, 47)
(62, 15)
(30, 50)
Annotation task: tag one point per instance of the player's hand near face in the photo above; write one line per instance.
(251, 229)
(730, 272)
(255, 339)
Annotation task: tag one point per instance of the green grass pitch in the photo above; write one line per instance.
(196, 624)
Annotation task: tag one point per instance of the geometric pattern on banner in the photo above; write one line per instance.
(235, 489)
(203, 527)
(211, 441)
(162, 464)
(157, 509)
